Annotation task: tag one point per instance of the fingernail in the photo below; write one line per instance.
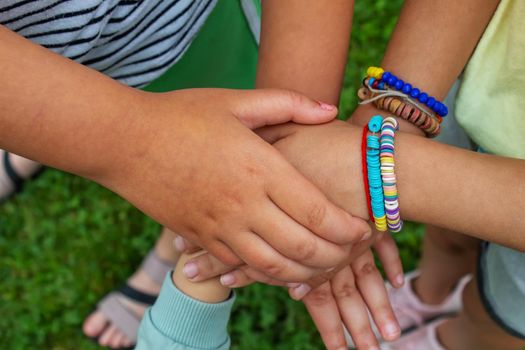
(391, 330)
(400, 280)
(227, 279)
(326, 106)
(301, 291)
(179, 244)
(366, 235)
(190, 270)
(330, 269)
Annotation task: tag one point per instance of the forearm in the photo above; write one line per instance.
(431, 44)
(304, 46)
(477, 194)
(52, 110)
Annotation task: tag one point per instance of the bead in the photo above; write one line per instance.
(363, 93)
(374, 125)
(423, 98)
(431, 102)
(371, 80)
(445, 111)
(399, 84)
(414, 92)
(406, 88)
(381, 85)
(375, 83)
(392, 80)
(386, 76)
(394, 105)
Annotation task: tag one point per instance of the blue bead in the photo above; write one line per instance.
(415, 93)
(385, 76)
(438, 107)
(406, 88)
(423, 98)
(374, 125)
(371, 80)
(381, 85)
(431, 102)
(399, 84)
(392, 80)
(445, 111)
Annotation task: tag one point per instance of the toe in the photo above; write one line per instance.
(107, 336)
(94, 324)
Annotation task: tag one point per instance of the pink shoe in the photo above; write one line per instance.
(424, 338)
(411, 312)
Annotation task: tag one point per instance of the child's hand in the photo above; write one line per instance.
(193, 165)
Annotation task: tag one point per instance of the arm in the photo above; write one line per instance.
(304, 46)
(437, 184)
(431, 45)
(187, 315)
(159, 150)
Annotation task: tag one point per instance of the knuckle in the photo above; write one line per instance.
(320, 296)
(316, 215)
(345, 290)
(272, 268)
(306, 249)
(366, 270)
(296, 100)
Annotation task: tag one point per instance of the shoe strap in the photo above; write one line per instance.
(137, 295)
(11, 173)
(120, 316)
(155, 267)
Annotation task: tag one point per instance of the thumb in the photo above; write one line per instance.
(257, 108)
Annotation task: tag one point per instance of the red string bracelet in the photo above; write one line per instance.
(365, 172)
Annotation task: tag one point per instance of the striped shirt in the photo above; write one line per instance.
(132, 41)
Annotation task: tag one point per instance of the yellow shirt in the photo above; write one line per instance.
(491, 101)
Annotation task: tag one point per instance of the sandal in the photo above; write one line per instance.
(12, 181)
(121, 316)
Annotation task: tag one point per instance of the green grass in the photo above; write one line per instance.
(65, 242)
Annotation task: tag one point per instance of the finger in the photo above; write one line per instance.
(307, 205)
(204, 267)
(372, 288)
(297, 243)
(257, 108)
(257, 253)
(258, 276)
(323, 309)
(388, 254)
(184, 245)
(221, 252)
(245, 276)
(235, 279)
(353, 309)
(274, 133)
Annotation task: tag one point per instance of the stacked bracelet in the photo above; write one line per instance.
(430, 124)
(374, 174)
(395, 83)
(379, 174)
(388, 129)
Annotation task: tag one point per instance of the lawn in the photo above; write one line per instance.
(65, 242)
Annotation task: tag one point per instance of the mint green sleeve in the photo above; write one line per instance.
(179, 322)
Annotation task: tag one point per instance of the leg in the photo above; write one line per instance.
(474, 329)
(447, 256)
(97, 325)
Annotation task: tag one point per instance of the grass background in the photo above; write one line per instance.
(65, 242)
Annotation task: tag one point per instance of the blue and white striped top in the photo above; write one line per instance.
(132, 41)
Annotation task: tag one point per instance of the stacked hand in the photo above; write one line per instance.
(329, 156)
(225, 188)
